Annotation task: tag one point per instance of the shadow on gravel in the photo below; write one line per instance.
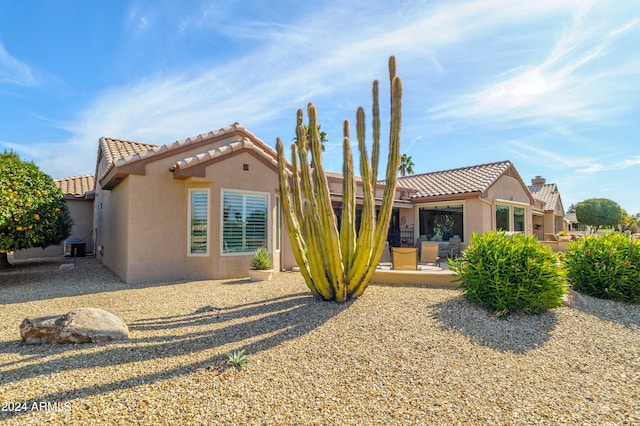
(279, 320)
(626, 314)
(89, 277)
(515, 333)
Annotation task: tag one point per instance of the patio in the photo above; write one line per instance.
(426, 275)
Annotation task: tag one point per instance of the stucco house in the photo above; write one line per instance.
(193, 209)
(466, 200)
(551, 219)
(198, 208)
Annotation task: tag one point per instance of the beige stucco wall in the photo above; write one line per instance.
(539, 231)
(111, 227)
(81, 212)
(229, 175)
(478, 217)
(508, 188)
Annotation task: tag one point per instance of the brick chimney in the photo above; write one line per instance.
(538, 180)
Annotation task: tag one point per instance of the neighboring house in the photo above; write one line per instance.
(197, 208)
(551, 218)
(466, 200)
(78, 192)
(575, 226)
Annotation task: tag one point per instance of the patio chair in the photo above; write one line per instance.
(429, 253)
(450, 249)
(454, 247)
(404, 258)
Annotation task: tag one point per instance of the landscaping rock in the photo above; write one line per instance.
(83, 325)
(574, 300)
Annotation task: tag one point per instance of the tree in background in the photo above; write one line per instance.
(33, 212)
(599, 212)
(630, 222)
(406, 165)
(322, 135)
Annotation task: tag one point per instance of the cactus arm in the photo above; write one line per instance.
(317, 254)
(329, 239)
(297, 198)
(375, 151)
(298, 245)
(393, 162)
(368, 221)
(348, 222)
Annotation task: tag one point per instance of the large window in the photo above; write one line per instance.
(439, 223)
(244, 221)
(510, 218)
(199, 222)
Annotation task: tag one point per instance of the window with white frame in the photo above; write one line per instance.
(518, 219)
(510, 218)
(199, 222)
(244, 221)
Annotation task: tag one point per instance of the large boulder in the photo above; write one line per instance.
(83, 325)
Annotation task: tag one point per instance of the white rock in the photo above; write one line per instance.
(83, 325)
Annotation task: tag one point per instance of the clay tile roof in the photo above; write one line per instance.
(222, 150)
(118, 150)
(76, 186)
(547, 193)
(456, 181)
(339, 177)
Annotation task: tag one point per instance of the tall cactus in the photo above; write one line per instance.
(338, 264)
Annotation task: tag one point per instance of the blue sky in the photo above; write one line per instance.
(553, 86)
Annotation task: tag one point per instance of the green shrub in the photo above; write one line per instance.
(510, 273)
(607, 267)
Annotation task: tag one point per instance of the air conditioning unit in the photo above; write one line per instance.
(74, 247)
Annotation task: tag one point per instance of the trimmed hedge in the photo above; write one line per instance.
(510, 273)
(607, 267)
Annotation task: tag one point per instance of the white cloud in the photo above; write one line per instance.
(535, 153)
(631, 162)
(331, 55)
(593, 168)
(618, 165)
(581, 77)
(13, 71)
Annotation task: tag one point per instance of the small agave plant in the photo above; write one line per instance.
(237, 358)
(261, 259)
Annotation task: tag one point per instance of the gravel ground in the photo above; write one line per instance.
(397, 355)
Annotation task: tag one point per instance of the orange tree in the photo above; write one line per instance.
(33, 212)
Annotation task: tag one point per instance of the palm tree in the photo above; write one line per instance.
(406, 165)
(323, 136)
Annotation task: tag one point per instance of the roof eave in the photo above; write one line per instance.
(447, 197)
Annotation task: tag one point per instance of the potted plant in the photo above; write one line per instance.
(564, 236)
(261, 264)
